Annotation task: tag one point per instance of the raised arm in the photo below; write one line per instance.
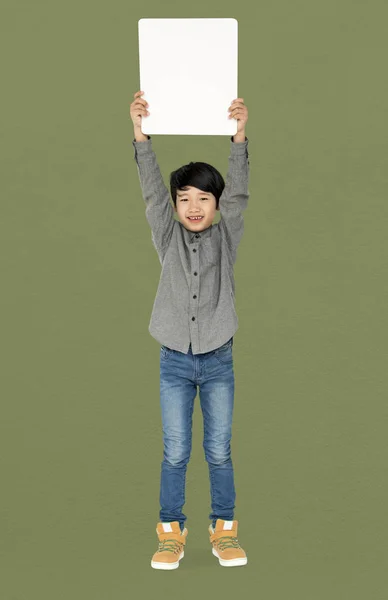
(234, 198)
(159, 212)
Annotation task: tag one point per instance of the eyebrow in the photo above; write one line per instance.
(199, 193)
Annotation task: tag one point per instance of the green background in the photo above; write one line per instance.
(81, 439)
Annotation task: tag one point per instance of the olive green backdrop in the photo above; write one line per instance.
(81, 439)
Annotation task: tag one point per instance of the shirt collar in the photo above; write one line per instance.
(191, 236)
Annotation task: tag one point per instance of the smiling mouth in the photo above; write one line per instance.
(195, 218)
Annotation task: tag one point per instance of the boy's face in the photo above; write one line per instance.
(193, 202)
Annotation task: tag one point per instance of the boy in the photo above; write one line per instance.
(194, 320)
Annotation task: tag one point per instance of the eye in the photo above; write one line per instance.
(183, 199)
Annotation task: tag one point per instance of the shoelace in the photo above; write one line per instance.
(170, 545)
(227, 541)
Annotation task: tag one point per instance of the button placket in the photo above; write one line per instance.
(195, 284)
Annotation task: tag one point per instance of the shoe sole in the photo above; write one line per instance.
(233, 562)
(166, 566)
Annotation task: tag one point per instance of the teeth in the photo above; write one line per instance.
(195, 218)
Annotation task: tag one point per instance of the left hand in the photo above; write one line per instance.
(239, 111)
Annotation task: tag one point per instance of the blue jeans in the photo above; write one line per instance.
(180, 374)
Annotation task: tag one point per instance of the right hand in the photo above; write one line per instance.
(138, 109)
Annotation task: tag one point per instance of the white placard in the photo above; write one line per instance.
(188, 72)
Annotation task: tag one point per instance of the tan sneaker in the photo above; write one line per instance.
(225, 544)
(171, 544)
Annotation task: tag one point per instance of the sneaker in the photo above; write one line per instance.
(171, 544)
(225, 544)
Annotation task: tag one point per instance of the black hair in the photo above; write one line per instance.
(199, 175)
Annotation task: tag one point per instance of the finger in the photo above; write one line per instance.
(238, 102)
(235, 105)
(140, 102)
(141, 111)
(139, 93)
(237, 115)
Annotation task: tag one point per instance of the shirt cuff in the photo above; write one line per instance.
(142, 147)
(239, 147)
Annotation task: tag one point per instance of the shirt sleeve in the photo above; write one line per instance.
(159, 212)
(234, 198)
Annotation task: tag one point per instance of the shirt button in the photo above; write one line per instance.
(194, 250)
(194, 296)
(197, 235)
(193, 318)
(195, 272)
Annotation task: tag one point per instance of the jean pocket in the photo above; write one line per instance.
(224, 353)
(165, 352)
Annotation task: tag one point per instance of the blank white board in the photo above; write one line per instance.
(188, 72)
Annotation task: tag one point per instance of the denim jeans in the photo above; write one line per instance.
(180, 374)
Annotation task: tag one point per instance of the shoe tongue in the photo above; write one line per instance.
(222, 525)
(172, 527)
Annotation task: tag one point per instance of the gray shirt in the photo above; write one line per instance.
(195, 298)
